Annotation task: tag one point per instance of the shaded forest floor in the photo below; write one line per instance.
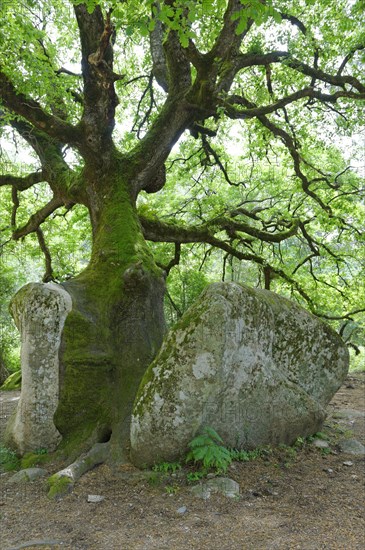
(292, 499)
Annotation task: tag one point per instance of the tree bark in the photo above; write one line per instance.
(116, 326)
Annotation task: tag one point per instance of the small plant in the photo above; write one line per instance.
(299, 443)
(246, 456)
(39, 456)
(154, 478)
(326, 451)
(195, 476)
(8, 459)
(172, 489)
(208, 450)
(41, 451)
(321, 435)
(167, 467)
(288, 451)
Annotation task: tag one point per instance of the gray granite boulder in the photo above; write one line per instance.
(254, 366)
(39, 311)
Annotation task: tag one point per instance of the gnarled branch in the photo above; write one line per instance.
(38, 218)
(21, 183)
(31, 110)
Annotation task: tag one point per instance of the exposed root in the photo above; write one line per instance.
(62, 482)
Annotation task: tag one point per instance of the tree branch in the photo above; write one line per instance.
(249, 60)
(159, 64)
(228, 41)
(48, 275)
(291, 98)
(348, 57)
(38, 218)
(227, 224)
(348, 316)
(174, 261)
(19, 104)
(21, 183)
(157, 231)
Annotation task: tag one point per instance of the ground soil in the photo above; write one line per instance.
(289, 500)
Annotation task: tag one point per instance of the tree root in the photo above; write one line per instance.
(62, 482)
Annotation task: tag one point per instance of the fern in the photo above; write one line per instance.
(208, 450)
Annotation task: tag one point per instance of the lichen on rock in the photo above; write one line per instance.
(256, 367)
(39, 311)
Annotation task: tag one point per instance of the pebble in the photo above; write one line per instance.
(182, 510)
(348, 463)
(95, 498)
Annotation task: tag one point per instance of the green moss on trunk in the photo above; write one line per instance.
(113, 332)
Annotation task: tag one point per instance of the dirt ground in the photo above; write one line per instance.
(290, 500)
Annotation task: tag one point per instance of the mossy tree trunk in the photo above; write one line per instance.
(117, 322)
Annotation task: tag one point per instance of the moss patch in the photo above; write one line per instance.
(59, 486)
(34, 459)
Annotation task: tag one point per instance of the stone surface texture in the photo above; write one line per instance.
(39, 311)
(29, 474)
(224, 485)
(254, 366)
(352, 447)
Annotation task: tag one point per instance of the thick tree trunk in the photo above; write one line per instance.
(114, 330)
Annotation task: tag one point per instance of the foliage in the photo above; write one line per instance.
(209, 180)
(207, 450)
(172, 489)
(247, 456)
(196, 475)
(357, 361)
(8, 459)
(167, 467)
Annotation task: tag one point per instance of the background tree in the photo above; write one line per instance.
(199, 127)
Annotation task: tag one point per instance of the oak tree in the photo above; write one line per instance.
(217, 123)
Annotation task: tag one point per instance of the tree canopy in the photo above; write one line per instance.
(239, 125)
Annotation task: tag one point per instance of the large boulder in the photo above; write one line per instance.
(254, 366)
(39, 311)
